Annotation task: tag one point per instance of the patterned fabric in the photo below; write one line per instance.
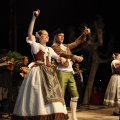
(50, 85)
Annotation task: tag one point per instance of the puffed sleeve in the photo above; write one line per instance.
(54, 54)
(114, 63)
(34, 45)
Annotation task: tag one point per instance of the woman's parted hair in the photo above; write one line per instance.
(40, 31)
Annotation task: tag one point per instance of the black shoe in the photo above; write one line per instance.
(116, 114)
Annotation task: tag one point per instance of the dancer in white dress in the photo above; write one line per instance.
(40, 96)
(112, 95)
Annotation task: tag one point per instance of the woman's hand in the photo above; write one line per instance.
(36, 13)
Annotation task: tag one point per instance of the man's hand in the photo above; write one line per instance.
(63, 60)
(86, 31)
(78, 58)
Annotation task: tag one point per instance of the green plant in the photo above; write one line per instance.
(17, 56)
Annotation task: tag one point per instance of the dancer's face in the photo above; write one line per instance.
(118, 57)
(44, 37)
(59, 38)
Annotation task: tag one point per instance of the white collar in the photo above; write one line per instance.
(63, 47)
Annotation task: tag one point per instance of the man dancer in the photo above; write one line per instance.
(65, 72)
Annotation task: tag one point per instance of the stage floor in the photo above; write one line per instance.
(93, 112)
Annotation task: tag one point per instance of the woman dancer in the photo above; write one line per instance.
(112, 95)
(40, 96)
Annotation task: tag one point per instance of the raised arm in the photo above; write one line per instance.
(80, 39)
(31, 26)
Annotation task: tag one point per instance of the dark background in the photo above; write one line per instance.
(15, 17)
